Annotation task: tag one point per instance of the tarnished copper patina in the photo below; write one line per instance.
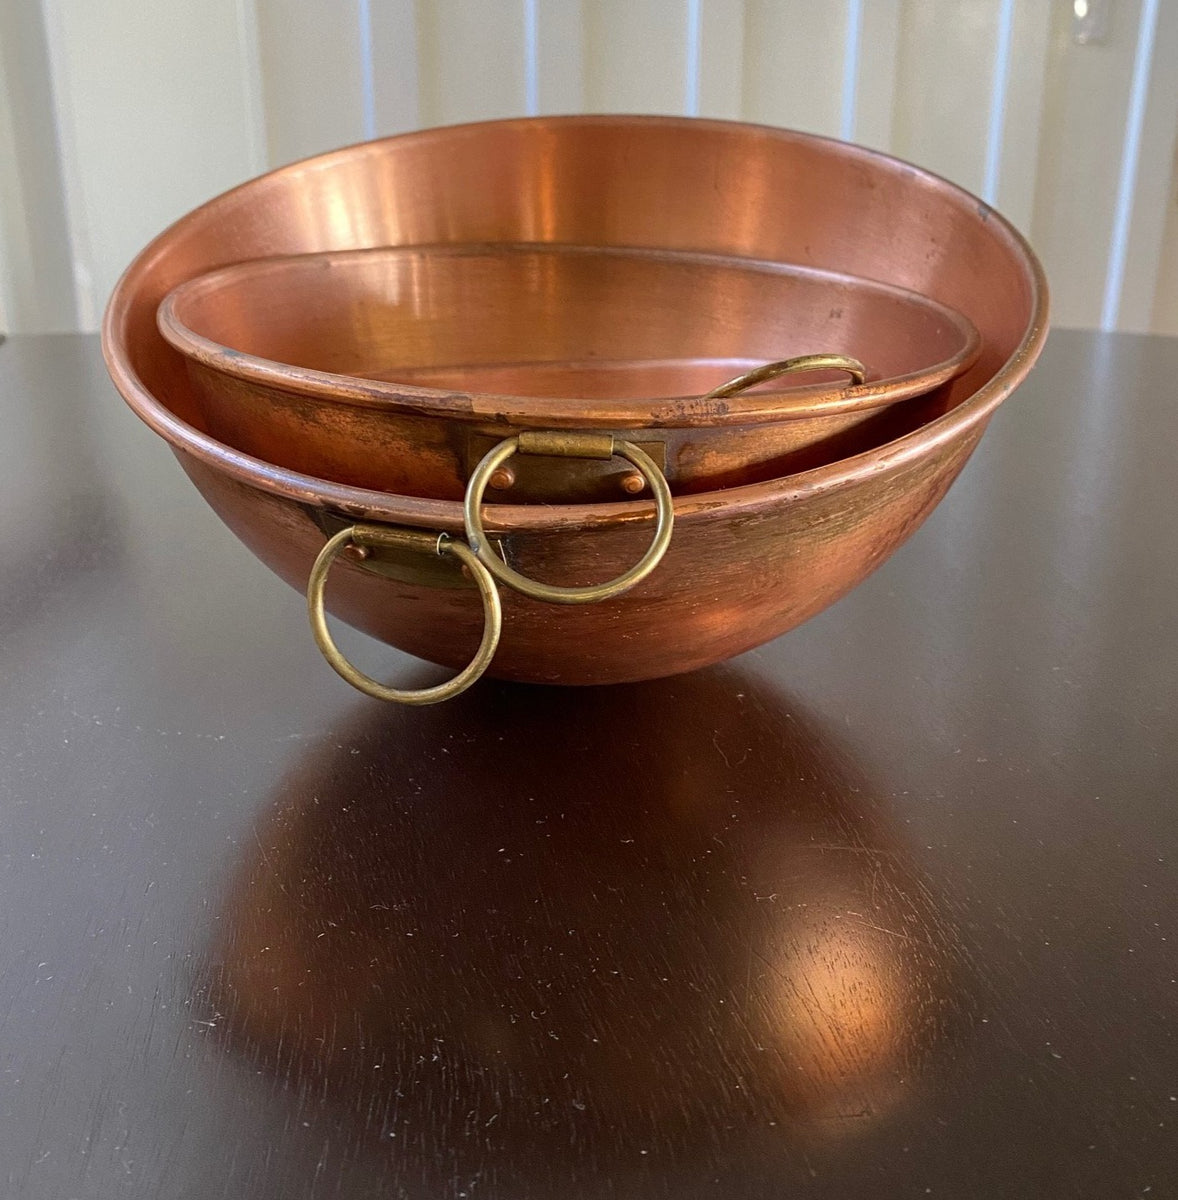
(745, 564)
(397, 369)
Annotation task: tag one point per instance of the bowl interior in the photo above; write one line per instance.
(558, 321)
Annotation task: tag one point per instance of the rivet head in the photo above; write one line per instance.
(356, 553)
(501, 478)
(633, 483)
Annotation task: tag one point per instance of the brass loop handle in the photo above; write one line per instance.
(374, 536)
(570, 445)
(787, 366)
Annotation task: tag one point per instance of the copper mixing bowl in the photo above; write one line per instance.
(743, 565)
(386, 368)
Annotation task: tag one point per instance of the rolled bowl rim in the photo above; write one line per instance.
(801, 402)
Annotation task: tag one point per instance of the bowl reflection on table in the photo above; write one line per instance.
(574, 922)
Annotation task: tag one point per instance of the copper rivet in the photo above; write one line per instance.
(633, 483)
(501, 478)
(359, 553)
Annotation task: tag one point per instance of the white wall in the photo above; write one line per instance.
(117, 116)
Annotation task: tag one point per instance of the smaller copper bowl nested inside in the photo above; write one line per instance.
(398, 368)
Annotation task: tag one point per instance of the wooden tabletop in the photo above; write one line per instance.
(884, 909)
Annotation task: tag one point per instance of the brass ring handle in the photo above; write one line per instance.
(373, 537)
(787, 366)
(570, 445)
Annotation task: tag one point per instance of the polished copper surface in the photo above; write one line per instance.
(745, 565)
(388, 368)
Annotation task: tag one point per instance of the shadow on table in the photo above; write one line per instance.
(537, 929)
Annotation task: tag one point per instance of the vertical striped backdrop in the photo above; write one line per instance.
(117, 116)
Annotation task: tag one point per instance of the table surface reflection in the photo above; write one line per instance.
(885, 908)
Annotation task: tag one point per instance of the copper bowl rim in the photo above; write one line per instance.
(762, 406)
(365, 504)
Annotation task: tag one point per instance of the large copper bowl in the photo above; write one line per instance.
(388, 368)
(744, 565)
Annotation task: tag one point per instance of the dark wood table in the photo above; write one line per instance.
(885, 909)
